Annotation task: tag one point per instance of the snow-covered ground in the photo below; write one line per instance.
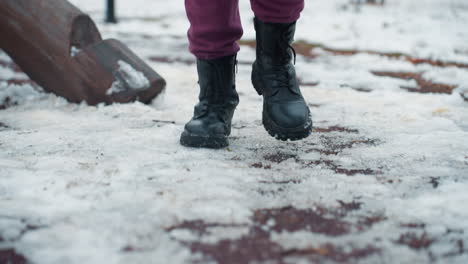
(383, 179)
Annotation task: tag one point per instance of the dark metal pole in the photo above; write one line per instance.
(110, 13)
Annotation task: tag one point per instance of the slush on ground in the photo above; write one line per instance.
(382, 179)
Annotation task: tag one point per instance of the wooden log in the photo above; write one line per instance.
(61, 49)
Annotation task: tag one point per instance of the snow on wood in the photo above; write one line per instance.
(128, 77)
(64, 53)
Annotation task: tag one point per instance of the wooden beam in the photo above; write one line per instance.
(61, 49)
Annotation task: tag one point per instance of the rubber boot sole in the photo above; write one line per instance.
(285, 134)
(188, 139)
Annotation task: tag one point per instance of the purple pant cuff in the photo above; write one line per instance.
(215, 25)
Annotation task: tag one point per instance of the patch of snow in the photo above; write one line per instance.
(18, 94)
(4, 56)
(74, 51)
(449, 75)
(7, 74)
(127, 77)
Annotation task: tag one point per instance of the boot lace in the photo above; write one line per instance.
(280, 72)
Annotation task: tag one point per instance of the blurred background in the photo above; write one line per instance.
(425, 33)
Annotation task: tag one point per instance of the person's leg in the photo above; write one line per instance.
(277, 11)
(285, 112)
(215, 27)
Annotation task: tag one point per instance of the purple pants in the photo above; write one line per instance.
(215, 25)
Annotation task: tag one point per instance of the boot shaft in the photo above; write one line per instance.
(211, 123)
(217, 79)
(274, 41)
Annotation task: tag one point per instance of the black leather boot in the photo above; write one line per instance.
(211, 123)
(285, 112)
